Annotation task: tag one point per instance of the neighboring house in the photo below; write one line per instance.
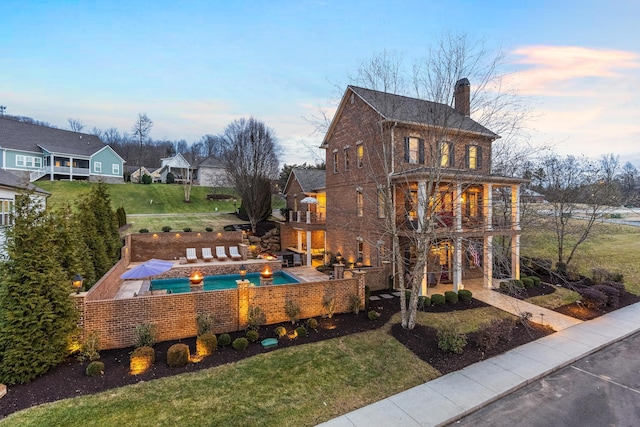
(136, 174)
(38, 152)
(531, 196)
(211, 172)
(437, 162)
(176, 165)
(10, 187)
(305, 226)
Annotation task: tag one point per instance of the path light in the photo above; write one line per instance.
(243, 271)
(339, 258)
(77, 282)
(359, 262)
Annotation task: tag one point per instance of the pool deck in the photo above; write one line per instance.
(131, 288)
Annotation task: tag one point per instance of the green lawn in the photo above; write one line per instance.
(612, 247)
(296, 386)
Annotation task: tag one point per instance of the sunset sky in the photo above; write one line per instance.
(195, 66)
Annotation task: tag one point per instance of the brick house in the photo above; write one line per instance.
(426, 168)
(305, 226)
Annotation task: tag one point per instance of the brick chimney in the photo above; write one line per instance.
(462, 97)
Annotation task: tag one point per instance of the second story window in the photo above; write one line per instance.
(6, 211)
(359, 204)
(445, 152)
(414, 150)
(360, 154)
(474, 157)
(335, 162)
(382, 197)
(346, 159)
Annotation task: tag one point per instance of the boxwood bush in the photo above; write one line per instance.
(178, 355)
(451, 297)
(206, 344)
(527, 282)
(253, 335)
(438, 299)
(301, 331)
(224, 340)
(280, 331)
(464, 295)
(94, 369)
(240, 344)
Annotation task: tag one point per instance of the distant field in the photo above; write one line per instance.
(612, 247)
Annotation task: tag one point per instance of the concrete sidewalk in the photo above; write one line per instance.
(452, 396)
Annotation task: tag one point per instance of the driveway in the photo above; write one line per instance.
(599, 390)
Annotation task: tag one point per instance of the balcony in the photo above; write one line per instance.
(307, 217)
(58, 170)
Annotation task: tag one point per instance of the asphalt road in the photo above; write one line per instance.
(599, 390)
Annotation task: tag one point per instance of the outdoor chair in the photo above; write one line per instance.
(191, 255)
(206, 254)
(234, 254)
(220, 253)
(297, 259)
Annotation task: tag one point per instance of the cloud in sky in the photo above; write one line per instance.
(553, 70)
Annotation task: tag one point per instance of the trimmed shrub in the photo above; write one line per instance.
(451, 297)
(145, 335)
(187, 229)
(593, 298)
(240, 344)
(143, 230)
(209, 229)
(224, 340)
(536, 280)
(204, 323)
(90, 349)
(329, 304)
(301, 331)
(253, 335)
(601, 276)
(367, 297)
(146, 179)
(166, 229)
(141, 359)
(464, 295)
(491, 334)
(206, 344)
(280, 331)
(178, 355)
(438, 299)
(423, 302)
(450, 339)
(527, 282)
(312, 324)
(355, 304)
(94, 369)
(617, 285)
(373, 315)
(511, 287)
(613, 295)
(292, 310)
(122, 217)
(170, 179)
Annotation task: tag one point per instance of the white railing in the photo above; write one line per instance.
(36, 175)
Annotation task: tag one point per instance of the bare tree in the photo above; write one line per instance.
(579, 194)
(251, 161)
(141, 130)
(75, 125)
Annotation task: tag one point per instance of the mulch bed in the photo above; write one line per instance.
(581, 312)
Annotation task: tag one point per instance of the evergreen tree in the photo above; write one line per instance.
(72, 249)
(37, 314)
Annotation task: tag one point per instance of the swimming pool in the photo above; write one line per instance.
(216, 283)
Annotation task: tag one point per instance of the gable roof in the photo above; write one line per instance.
(412, 111)
(211, 162)
(9, 180)
(310, 180)
(177, 161)
(34, 138)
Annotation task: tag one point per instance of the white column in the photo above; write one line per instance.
(457, 205)
(515, 257)
(291, 215)
(422, 200)
(52, 165)
(515, 207)
(299, 233)
(308, 247)
(308, 217)
(487, 257)
(70, 168)
(487, 202)
(457, 264)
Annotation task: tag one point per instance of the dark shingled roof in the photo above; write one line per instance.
(310, 180)
(7, 179)
(417, 111)
(28, 137)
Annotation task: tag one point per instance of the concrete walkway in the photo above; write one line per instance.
(452, 396)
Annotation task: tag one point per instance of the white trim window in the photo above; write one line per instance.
(346, 158)
(360, 154)
(97, 167)
(115, 169)
(6, 211)
(28, 161)
(335, 161)
(359, 203)
(20, 160)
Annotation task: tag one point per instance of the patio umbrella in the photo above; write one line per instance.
(150, 268)
(309, 200)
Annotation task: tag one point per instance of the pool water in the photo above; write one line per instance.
(216, 283)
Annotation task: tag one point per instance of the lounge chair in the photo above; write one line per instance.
(206, 254)
(220, 253)
(191, 255)
(234, 254)
(297, 259)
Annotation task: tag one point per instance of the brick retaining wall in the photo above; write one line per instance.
(173, 245)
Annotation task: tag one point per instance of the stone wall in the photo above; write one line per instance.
(269, 243)
(173, 245)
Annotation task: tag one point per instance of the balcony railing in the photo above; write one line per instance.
(59, 170)
(448, 221)
(307, 217)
